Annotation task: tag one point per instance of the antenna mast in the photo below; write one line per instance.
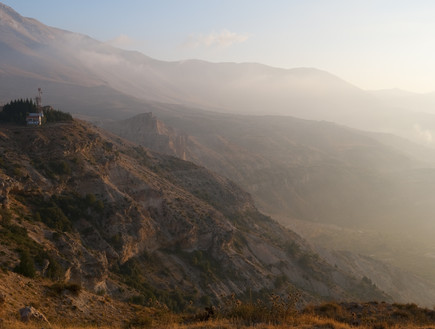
(38, 99)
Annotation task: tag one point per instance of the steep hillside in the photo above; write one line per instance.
(118, 219)
(309, 170)
(315, 171)
(399, 284)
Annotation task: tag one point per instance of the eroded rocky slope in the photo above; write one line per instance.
(310, 170)
(136, 225)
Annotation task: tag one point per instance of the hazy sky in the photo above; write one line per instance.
(374, 44)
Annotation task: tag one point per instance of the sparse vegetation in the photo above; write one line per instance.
(61, 211)
(26, 266)
(133, 274)
(60, 167)
(16, 236)
(292, 248)
(52, 115)
(276, 313)
(55, 218)
(59, 287)
(54, 270)
(275, 309)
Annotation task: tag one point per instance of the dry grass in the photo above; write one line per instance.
(14, 324)
(274, 312)
(299, 322)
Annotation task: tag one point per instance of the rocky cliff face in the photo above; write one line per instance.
(309, 171)
(115, 215)
(315, 171)
(151, 133)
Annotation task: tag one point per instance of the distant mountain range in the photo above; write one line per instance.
(63, 63)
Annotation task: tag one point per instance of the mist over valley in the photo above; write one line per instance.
(183, 183)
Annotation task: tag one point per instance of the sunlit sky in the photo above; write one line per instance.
(374, 44)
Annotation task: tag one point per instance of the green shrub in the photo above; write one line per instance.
(5, 216)
(99, 206)
(16, 236)
(90, 199)
(116, 241)
(201, 261)
(52, 115)
(60, 167)
(60, 287)
(138, 300)
(26, 266)
(54, 270)
(292, 249)
(56, 219)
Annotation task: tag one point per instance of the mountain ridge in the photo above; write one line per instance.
(56, 59)
(94, 55)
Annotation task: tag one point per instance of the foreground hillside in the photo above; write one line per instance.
(86, 208)
(235, 314)
(64, 307)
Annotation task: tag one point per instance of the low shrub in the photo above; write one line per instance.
(26, 266)
(59, 287)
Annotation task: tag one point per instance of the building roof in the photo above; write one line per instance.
(34, 115)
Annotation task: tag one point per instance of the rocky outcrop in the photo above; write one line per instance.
(29, 313)
(147, 130)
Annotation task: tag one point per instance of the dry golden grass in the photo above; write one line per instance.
(303, 321)
(274, 313)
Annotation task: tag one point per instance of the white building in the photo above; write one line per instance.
(34, 119)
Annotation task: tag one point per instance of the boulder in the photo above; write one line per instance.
(29, 313)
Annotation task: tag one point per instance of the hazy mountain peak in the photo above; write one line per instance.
(32, 50)
(249, 88)
(19, 32)
(6, 11)
(11, 19)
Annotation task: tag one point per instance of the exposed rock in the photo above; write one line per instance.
(147, 130)
(152, 217)
(45, 266)
(29, 313)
